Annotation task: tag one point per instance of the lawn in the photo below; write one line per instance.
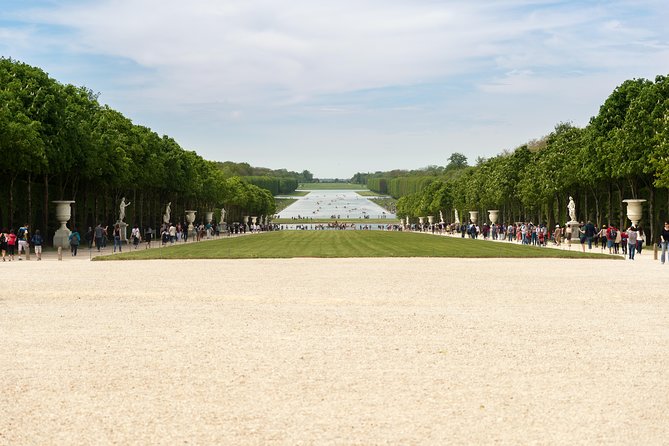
(290, 244)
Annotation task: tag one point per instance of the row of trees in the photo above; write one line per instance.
(57, 142)
(622, 153)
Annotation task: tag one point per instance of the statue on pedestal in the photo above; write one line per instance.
(222, 215)
(571, 207)
(168, 212)
(121, 209)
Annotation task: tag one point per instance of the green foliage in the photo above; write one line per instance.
(77, 148)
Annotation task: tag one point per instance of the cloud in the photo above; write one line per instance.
(412, 66)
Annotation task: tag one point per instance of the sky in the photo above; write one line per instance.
(346, 86)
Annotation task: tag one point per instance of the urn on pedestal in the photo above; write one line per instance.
(61, 238)
(474, 216)
(493, 215)
(634, 210)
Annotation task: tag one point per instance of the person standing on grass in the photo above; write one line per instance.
(664, 241)
(37, 241)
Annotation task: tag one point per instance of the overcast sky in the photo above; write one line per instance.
(344, 86)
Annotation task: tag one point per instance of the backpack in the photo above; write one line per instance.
(74, 241)
(614, 233)
(21, 234)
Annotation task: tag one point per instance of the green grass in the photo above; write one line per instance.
(331, 186)
(290, 244)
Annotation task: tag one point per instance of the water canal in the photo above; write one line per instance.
(340, 205)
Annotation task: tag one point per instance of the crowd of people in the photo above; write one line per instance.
(627, 242)
(608, 238)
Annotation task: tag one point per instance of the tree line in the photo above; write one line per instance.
(622, 153)
(57, 142)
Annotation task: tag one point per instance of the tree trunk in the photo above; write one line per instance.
(30, 201)
(46, 206)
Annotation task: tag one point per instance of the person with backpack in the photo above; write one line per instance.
(611, 234)
(37, 241)
(22, 240)
(75, 240)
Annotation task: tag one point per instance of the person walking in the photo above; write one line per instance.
(664, 241)
(99, 234)
(89, 236)
(11, 244)
(22, 240)
(117, 238)
(632, 236)
(37, 242)
(641, 239)
(75, 240)
(3, 244)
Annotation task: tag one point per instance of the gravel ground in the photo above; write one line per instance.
(334, 351)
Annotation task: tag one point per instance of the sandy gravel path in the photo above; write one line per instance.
(334, 351)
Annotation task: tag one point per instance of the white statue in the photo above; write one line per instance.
(223, 215)
(457, 217)
(121, 209)
(168, 211)
(571, 207)
(441, 217)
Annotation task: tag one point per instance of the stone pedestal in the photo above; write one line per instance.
(574, 227)
(63, 212)
(190, 218)
(123, 227)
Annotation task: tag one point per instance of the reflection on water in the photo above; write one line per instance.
(335, 204)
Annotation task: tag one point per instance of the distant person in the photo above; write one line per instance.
(99, 234)
(75, 240)
(117, 238)
(632, 237)
(3, 243)
(664, 241)
(37, 242)
(11, 244)
(22, 241)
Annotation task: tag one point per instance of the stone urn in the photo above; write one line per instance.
(190, 218)
(421, 220)
(493, 215)
(634, 210)
(430, 219)
(61, 238)
(209, 216)
(474, 216)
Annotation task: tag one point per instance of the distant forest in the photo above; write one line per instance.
(622, 153)
(57, 142)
